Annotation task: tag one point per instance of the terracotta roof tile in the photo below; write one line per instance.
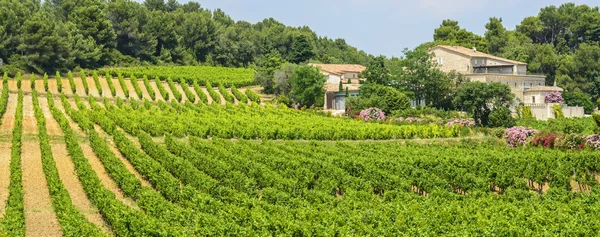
(472, 53)
(339, 69)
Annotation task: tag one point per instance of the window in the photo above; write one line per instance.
(476, 61)
(483, 61)
(530, 84)
(440, 61)
(533, 99)
(515, 84)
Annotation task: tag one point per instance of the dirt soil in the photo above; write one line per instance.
(4, 174)
(95, 162)
(40, 219)
(29, 121)
(68, 176)
(210, 100)
(8, 119)
(118, 154)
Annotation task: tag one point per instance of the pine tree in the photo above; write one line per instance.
(347, 93)
(341, 87)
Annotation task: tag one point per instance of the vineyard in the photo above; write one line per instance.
(227, 76)
(131, 156)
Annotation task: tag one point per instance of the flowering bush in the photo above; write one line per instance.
(372, 114)
(544, 139)
(572, 141)
(593, 141)
(554, 97)
(461, 123)
(518, 136)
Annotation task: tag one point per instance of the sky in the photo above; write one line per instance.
(383, 27)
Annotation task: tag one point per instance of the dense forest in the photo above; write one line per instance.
(45, 36)
(561, 42)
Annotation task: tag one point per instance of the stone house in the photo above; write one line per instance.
(529, 88)
(482, 67)
(348, 74)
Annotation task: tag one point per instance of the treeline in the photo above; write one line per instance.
(61, 35)
(561, 42)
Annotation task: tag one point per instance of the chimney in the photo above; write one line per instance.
(474, 49)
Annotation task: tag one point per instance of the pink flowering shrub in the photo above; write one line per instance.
(554, 97)
(518, 136)
(593, 141)
(372, 114)
(460, 123)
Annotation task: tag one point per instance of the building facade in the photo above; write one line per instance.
(348, 74)
(482, 67)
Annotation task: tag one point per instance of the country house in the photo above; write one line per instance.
(348, 74)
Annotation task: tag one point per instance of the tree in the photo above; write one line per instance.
(496, 36)
(450, 33)
(579, 98)
(376, 72)
(282, 78)
(386, 98)
(307, 86)
(420, 76)
(480, 99)
(302, 50)
(265, 71)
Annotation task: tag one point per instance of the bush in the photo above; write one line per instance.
(501, 117)
(545, 139)
(571, 142)
(372, 114)
(554, 97)
(518, 136)
(558, 113)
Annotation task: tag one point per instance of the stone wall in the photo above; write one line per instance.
(452, 61)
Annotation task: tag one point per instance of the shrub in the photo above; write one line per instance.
(252, 96)
(593, 141)
(19, 80)
(32, 79)
(571, 141)
(544, 139)
(558, 113)
(518, 136)
(461, 123)
(111, 85)
(86, 87)
(97, 82)
(554, 97)
(372, 114)
(58, 82)
(71, 82)
(45, 82)
(501, 117)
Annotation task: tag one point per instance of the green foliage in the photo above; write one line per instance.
(213, 94)
(186, 89)
(228, 97)
(32, 79)
(450, 33)
(302, 49)
(480, 99)
(46, 82)
(252, 96)
(203, 97)
(386, 98)
(265, 75)
(241, 97)
(59, 84)
(123, 85)
(579, 99)
(376, 72)
(501, 117)
(149, 88)
(97, 82)
(72, 82)
(136, 86)
(558, 113)
(83, 77)
(307, 86)
(495, 35)
(19, 80)
(340, 87)
(163, 92)
(73, 222)
(14, 216)
(174, 90)
(111, 85)
(5, 79)
(227, 76)
(596, 118)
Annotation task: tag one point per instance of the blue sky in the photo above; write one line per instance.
(383, 26)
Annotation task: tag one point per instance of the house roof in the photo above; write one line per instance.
(340, 69)
(473, 53)
(543, 88)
